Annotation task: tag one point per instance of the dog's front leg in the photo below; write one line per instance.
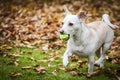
(65, 57)
(91, 63)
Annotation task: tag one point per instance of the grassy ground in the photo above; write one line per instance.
(21, 64)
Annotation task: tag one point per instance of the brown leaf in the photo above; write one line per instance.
(73, 58)
(45, 47)
(29, 52)
(26, 67)
(15, 55)
(63, 69)
(114, 60)
(32, 58)
(15, 74)
(93, 74)
(73, 64)
(5, 47)
(54, 72)
(49, 65)
(16, 63)
(60, 65)
(114, 73)
(40, 69)
(81, 63)
(67, 69)
(51, 60)
(42, 61)
(74, 73)
(4, 54)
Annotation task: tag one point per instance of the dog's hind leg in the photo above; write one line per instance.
(105, 47)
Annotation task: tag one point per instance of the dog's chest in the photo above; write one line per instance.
(83, 49)
(79, 51)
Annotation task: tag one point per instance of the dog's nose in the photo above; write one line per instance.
(61, 31)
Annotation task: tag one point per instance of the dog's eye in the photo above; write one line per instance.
(70, 24)
(62, 23)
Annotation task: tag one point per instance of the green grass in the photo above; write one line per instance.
(29, 57)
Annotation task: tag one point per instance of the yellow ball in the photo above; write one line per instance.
(64, 36)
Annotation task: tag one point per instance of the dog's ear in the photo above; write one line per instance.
(81, 14)
(66, 10)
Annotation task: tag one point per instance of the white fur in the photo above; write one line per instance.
(87, 39)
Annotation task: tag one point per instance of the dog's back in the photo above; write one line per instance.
(104, 31)
(104, 28)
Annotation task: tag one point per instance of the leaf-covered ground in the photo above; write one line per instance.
(35, 24)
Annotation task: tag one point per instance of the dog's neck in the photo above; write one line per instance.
(80, 35)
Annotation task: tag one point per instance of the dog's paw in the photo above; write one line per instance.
(65, 62)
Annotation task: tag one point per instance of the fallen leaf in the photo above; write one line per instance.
(15, 74)
(14, 62)
(29, 52)
(26, 67)
(5, 47)
(5, 54)
(63, 69)
(115, 60)
(15, 55)
(40, 69)
(42, 61)
(74, 73)
(81, 63)
(93, 73)
(60, 65)
(68, 69)
(54, 72)
(73, 64)
(51, 65)
(73, 58)
(32, 58)
(51, 60)
(114, 73)
(45, 47)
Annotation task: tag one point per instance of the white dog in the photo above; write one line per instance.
(87, 39)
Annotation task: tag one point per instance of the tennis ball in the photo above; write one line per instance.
(64, 36)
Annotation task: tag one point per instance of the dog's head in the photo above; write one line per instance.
(72, 23)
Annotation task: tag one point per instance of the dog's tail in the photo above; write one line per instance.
(106, 19)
